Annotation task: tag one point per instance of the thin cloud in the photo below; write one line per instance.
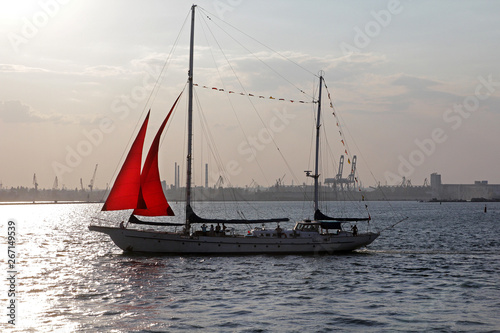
(104, 71)
(11, 68)
(414, 83)
(18, 113)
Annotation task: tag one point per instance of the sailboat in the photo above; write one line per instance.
(141, 191)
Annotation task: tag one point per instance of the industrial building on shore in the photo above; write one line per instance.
(329, 191)
(478, 191)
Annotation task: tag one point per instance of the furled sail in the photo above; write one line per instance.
(125, 192)
(151, 189)
(133, 219)
(193, 218)
(319, 216)
(328, 222)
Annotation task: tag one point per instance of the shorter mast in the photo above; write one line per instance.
(316, 167)
(316, 160)
(318, 215)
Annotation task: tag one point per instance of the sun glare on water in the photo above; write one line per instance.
(44, 263)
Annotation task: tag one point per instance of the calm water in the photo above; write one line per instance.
(437, 271)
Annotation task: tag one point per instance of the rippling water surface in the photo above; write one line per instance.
(437, 271)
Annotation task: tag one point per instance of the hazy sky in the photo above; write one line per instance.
(416, 85)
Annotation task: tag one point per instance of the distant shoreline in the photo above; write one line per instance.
(18, 203)
(14, 203)
(442, 193)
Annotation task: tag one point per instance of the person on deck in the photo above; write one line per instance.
(278, 231)
(354, 230)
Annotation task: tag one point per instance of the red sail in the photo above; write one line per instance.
(125, 192)
(151, 188)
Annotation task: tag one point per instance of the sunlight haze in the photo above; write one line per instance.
(415, 85)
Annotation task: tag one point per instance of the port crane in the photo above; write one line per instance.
(340, 182)
(219, 182)
(279, 181)
(35, 182)
(91, 185)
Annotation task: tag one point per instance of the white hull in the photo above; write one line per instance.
(132, 240)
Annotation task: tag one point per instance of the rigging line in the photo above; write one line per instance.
(220, 164)
(254, 108)
(213, 146)
(325, 158)
(329, 149)
(156, 87)
(310, 166)
(345, 194)
(341, 131)
(230, 102)
(213, 149)
(183, 162)
(246, 93)
(208, 135)
(252, 38)
(218, 159)
(329, 146)
(262, 61)
(254, 95)
(150, 98)
(227, 95)
(337, 115)
(313, 130)
(169, 123)
(395, 224)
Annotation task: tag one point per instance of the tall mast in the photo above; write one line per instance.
(190, 122)
(316, 166)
